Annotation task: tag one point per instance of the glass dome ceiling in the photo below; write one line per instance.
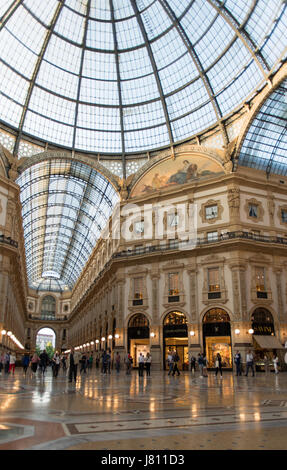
(65, 206)
(265, 144)
(125, 76)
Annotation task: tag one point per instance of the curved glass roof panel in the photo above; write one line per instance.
(66, 205)
(265, 144)
(123, 76)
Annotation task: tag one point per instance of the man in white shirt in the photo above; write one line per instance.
(141, 364)
(249, 363)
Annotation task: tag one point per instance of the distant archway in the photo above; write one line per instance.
(45, 337)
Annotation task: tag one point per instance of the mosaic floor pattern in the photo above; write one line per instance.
(105, 412)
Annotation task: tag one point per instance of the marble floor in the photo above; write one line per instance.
(161, 412)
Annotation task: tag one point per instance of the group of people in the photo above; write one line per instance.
(144, 363)
(7, 362)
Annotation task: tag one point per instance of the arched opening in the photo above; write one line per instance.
(138, 336)
(217, 337)
(175, 338)
(262, 322)
(48, 308)
(46, 339)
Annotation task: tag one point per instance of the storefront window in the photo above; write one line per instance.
(175, 318)
(217, 337)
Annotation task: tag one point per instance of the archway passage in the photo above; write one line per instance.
(46, 339)
(217, 337)
(175, 338)
(138, 336)
(262, 322)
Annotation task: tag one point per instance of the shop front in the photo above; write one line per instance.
(265, 342)
(138, 337)
(175, 338)
(217, 337)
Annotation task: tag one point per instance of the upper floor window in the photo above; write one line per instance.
(48, 308)
(213, 280)
(172, 220)
(260, 279)
(139, 227)
(212, 236)
(138, 288)
(253, 210)
(211, 212)
(173, 288)
(284, 216)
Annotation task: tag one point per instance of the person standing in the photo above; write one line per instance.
(12, 363)
(192, 364)
(205, 365)
(83, 363)
(56, 368)
(218, 365)
(25, 362)
(118, 362)
(2, 362)
(237, 360)
(128, 362)
(141, 364)
(276, 363)
(148, 364)
(90, 362)
(175, 364)
(200, 364)
(249, 363)
(7, 362)
(34, 362)
(73, 361)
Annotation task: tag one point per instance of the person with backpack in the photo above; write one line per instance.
(175, 361)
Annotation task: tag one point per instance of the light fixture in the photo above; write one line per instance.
(9, 333)
(192, 333)
(103, 338)
(110, 336)
(152, 335)
(117, 336)
(237, 331)
(97, 341)
(251, 331)
(92, 343)
(3, 332)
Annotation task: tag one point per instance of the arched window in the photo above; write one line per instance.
(138, 320)
(175, 318)
(216, 315)
(262, 315)
(48, 309)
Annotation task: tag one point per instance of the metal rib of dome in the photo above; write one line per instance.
(124, 76)
(65, 207)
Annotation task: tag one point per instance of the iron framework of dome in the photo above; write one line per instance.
(125, 76)
(66, 205)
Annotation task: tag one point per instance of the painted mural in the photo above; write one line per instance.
(183, 169)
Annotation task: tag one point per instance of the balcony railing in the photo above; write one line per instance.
(8, 241)
(184, 245)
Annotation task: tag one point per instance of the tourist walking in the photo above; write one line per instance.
(44, 361)
(276, 363)
(249, 363)
(128, 363)
(34, 362)
(237, 360)
(73, 361)
(170, 362)
(141, 364)
(148, 364)
(12, 363)
(83, 362)
(175, 364)
(90, 362)
(218, 364)
(25, 362)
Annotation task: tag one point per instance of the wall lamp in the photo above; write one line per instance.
(192, 333)
(152, 335)
(251, 331)
(237, 331)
